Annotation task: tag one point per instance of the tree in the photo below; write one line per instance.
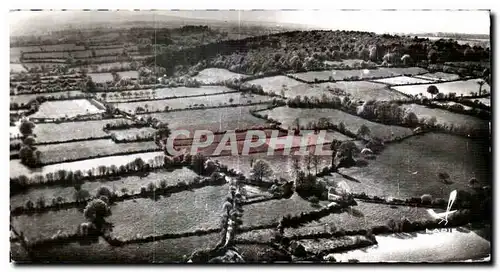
(198, 163)
(473, 182)
(296, 166)
(410, 118)
(341, 127)
(480, 83)
(29, 141)
(433, 90)
(432, 56)
(261, 169)
(163, 131)
(334, 146)
(26, 128)
(345, 154)
(96, 210)
(363, 131)
(81, 195)
(316, 160)
(104, 191)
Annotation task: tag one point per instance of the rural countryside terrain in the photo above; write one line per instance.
(407, 121)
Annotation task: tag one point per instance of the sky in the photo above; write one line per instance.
(400, 21)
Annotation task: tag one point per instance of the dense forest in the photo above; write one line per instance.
(307, 50)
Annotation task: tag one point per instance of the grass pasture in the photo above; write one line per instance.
(339, 75)
(287, 117)
(272, 211)
(66, 108)
(132, 184)
(363, 216)
(464, 87)
(180, 212)
(17, 68)
(54, 153)
(215, 75)
(39, 64)
(25, 98)
(363, 90)
(133, 133)
(222, 119)
(403, 80)
(276, 83)
(164, 251)
(52, 132)
(447, 118)
(164, 93)
(439, 76)
(105, 77)
(184, 103)
(485, 100)
(110, 65)
(410, 168)
(45, 225)
(17, 169)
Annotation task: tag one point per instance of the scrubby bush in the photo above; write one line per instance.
(96, 210)
(426, 199)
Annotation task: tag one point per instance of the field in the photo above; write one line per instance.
(411, 168)
(17, 169)
(451, 103)
(105, 77)
(280, 164)
(53, 132)
(25, 98)
(55, 153)
(364, 90)
(464, 88)
(337, 75)
(66, 108)
(272, 211)
(132, 184)
(183, 103)
(163, 251)
(445, 117)
(45, 225)
(164, 93)
(216, 75)
(486, 101)
(276, 83)
(78, 128)
(287, 117)
(133, 133)
(222, 119)
(110, 65)
(402, 80)
(17, 68)
(439, 76)
(363, 216)
(186, 211)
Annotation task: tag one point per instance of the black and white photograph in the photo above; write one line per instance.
(205, 136)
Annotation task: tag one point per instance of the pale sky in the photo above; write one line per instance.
(401, 21)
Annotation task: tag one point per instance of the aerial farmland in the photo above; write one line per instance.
(94, 110)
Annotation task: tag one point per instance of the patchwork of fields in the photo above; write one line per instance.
(163, 208)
